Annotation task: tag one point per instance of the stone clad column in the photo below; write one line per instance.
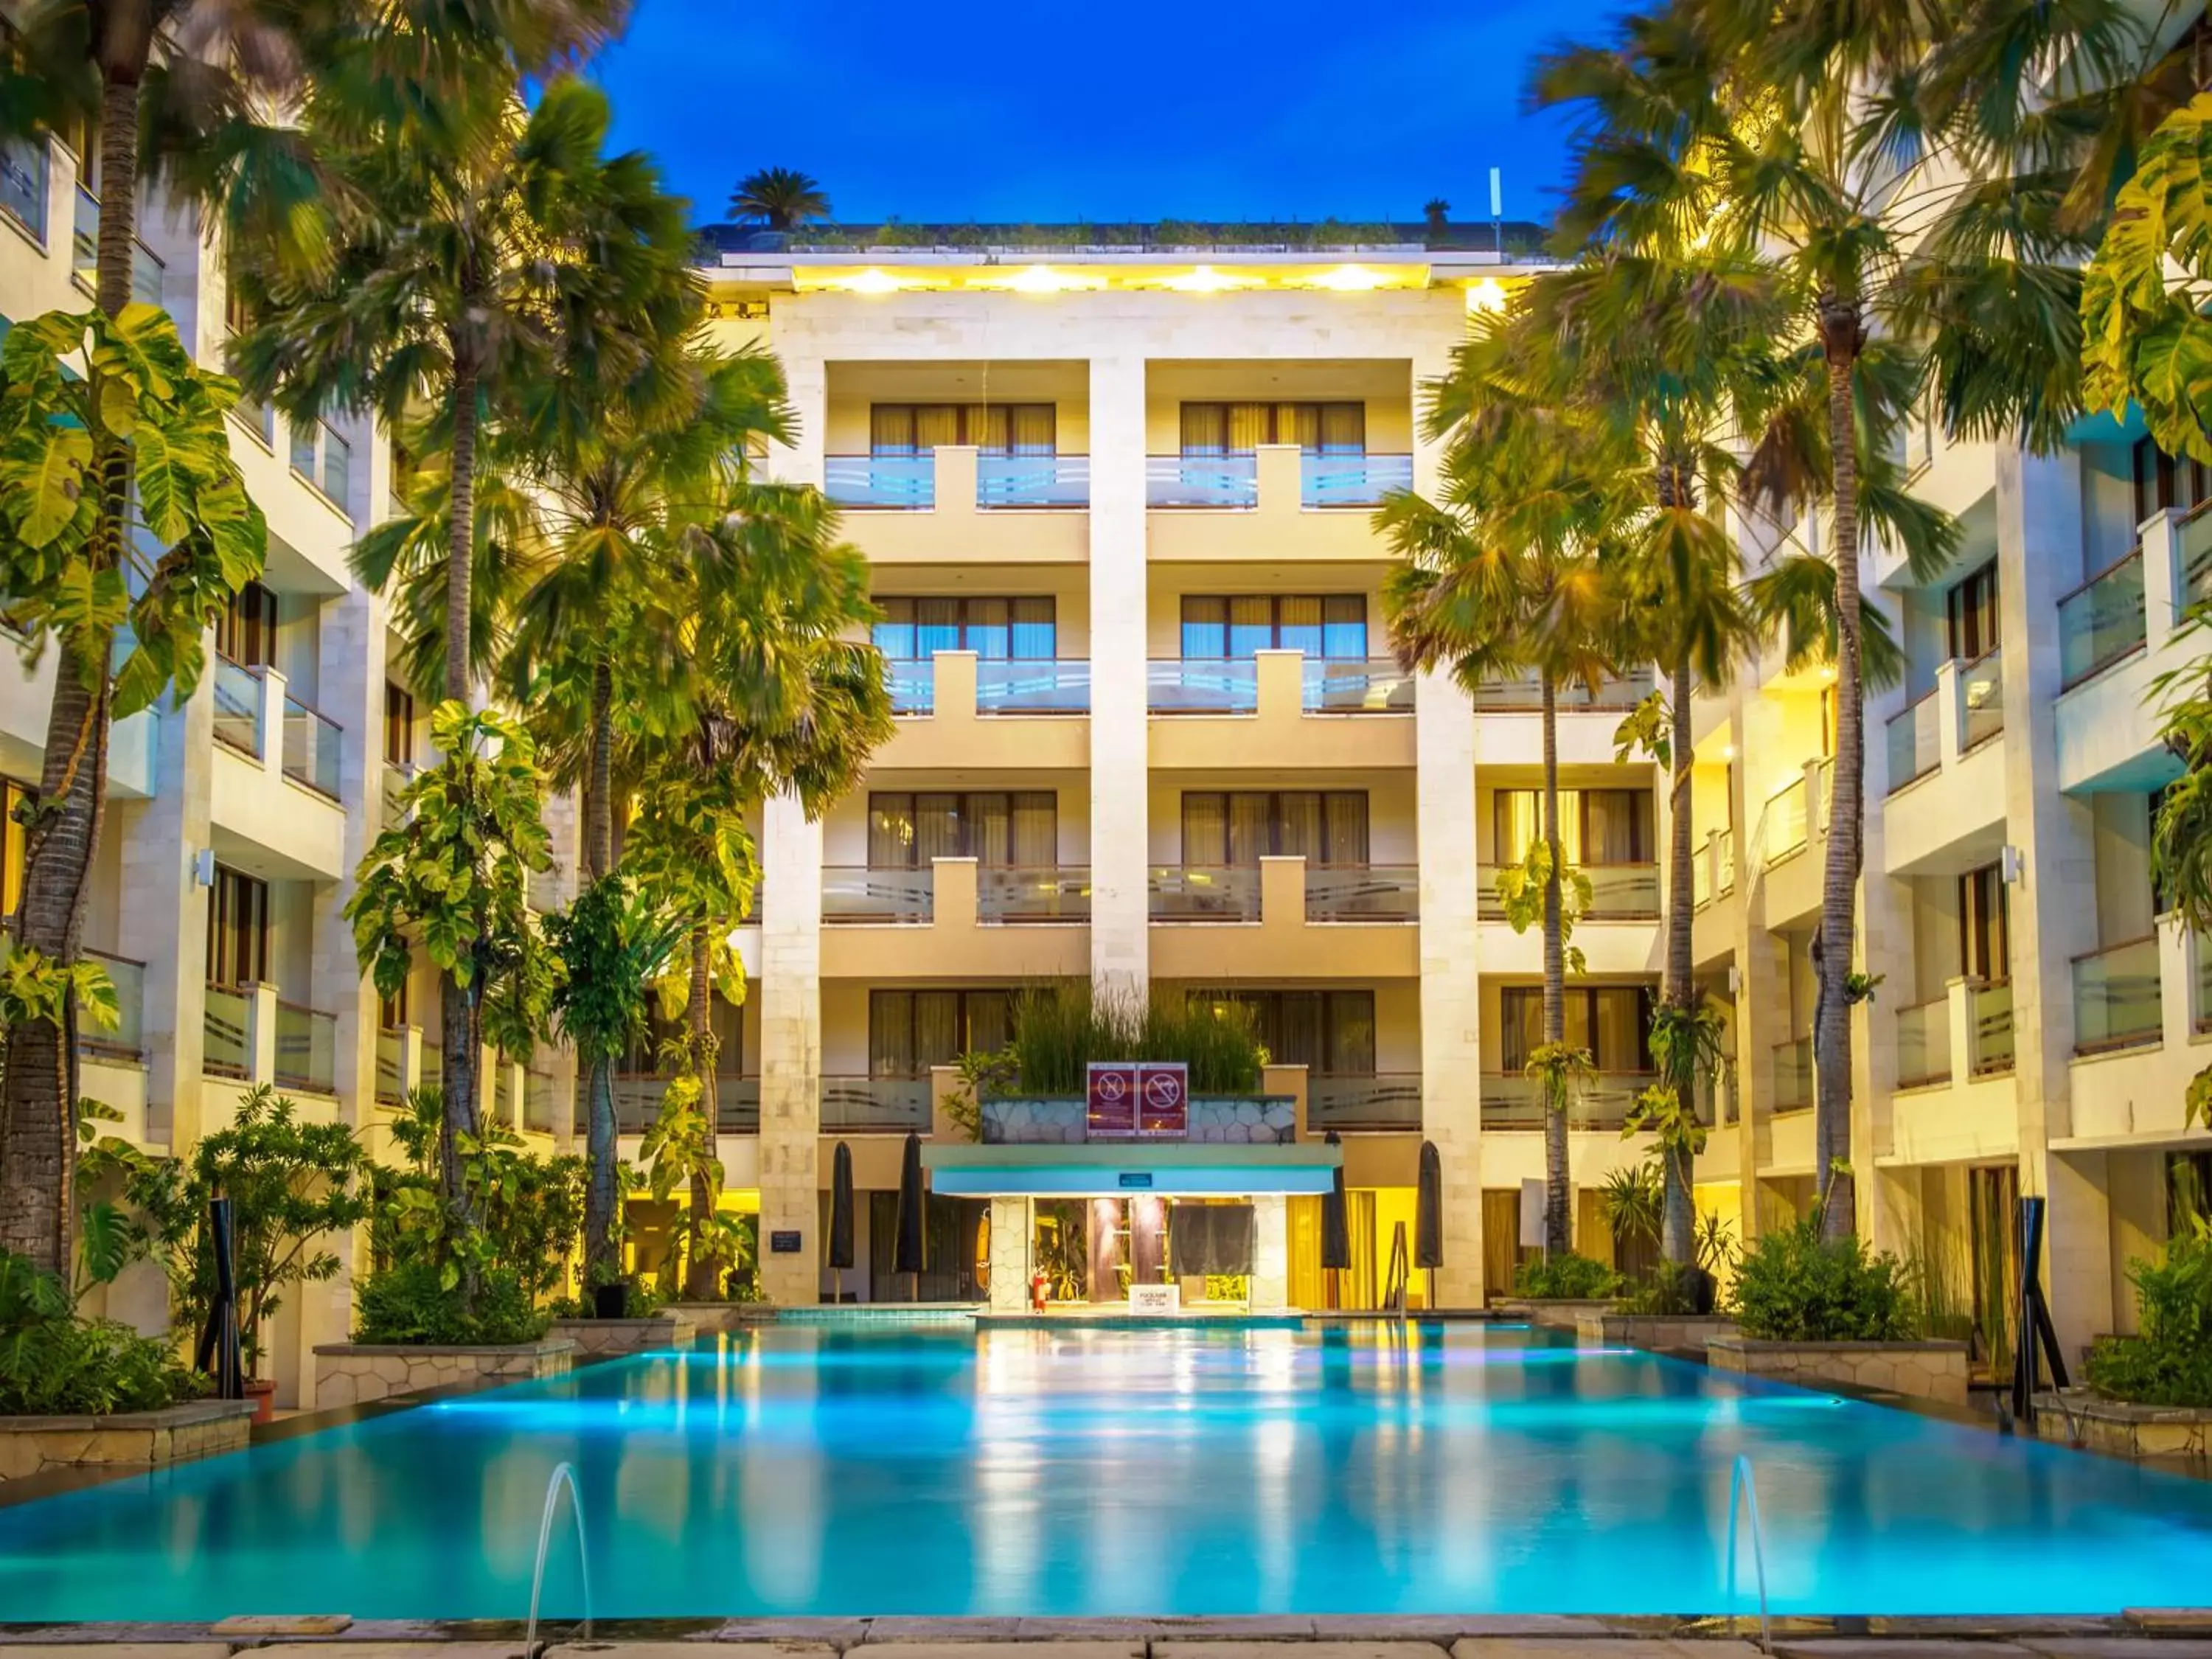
(791, 1049)
(1119, 902)
(1271, 1252)
(1009, 1254)
(1451, 1054)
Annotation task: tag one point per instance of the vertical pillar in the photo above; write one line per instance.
(791, 1049)
(1010, 1255)
(1884, 948)
(1451, 985)
(1271, 1252)
(1119, 903)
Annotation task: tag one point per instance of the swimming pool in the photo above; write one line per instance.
(809, 1470)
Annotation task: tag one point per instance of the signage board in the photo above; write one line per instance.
(1125, 1100)
(1139, 1180)
(1155, 1298)
(783, 1243)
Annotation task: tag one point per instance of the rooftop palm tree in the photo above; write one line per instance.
(782, 197)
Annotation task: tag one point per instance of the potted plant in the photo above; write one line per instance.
(2150, 1394)
(291, 1184)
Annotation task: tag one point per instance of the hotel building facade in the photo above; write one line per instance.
(1117, 508)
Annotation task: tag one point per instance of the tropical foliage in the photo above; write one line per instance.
(1796, 1284)
(1056, 1031)
(782, 198)
(53, 1364)
(2169, 1362)
(1561, 1275)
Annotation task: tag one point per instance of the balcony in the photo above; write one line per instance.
(1946, 786)
(311, 749)
(1012, 896)
(1989, 1008)
(955, 918)
(146, 268)
(1523, 694)
(1362, 892)
(127, 1042)
(1601, 1103)
(1279, 709)
(1618, 892)
(637, 1103)
(2116, 997)
(1712, 869)
(272, 751)
(1915, 748)
(954, 505)
(1981, 700)
(1355, 1101)
(226, 1043)
(26, 174)
(398, 778)
(1792, 1064)
(875, 1105)
(1218, 1120)
(1205, 893)
(966, 712)
(392, 1043)
(1284, 919)
(1352, 481)
(324, 459)
(1924, 1044)
(2101, 623)
(1221, 482)
(1276, 505)
(307, 1049)
(882, 896)
(1028, 686)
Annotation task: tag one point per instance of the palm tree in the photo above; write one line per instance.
(1816, 139)
(482, 248)
(783, 197)
(606, 588)
(1508, 573)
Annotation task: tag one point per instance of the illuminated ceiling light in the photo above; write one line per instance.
(1488, 295)
(1041, 279)
(1206, 280)
(1351, 279)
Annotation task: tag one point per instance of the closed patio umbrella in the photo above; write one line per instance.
(1429, 1217)
(1335, 1225)
(906, 1259)
(840, 1214)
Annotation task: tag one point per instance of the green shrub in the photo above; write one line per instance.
(1565, 1277)
(640, 1301)
(1674, 1290)
(53, 1364)
(2170, 1363)
(1058, 1029)
(406, 1304)
(1793, 1285)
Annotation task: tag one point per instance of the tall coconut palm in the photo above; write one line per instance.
(1510, 572)
(783, 198)
(1899, 166)
(482, 247)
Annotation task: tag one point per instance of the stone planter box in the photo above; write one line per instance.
(199, 1428)
(670, 1328)
(2124, 1429)
(720, 1318)
(1562, 1315)
(355, 1373)
(1657, 1332)
(1928, 1371)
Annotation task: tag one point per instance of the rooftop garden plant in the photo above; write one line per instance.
(1058, 1029)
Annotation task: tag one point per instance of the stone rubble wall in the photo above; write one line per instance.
(201, 1428)
(353, 1374)
(1926, 1370)
(668, 1329)
(2121, 1429)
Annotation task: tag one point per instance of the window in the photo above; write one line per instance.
(724, 1018)
(392, 1010)
(1330, 1033)
(399, 725)
(910, 1031)
(246, 629)
(993, 429)
(1243, 826)
(2162, 482)
(1016, 828)
(1984, 940)
(15, 841)
(1972, 611)
(1613, 1022)
(237, 930)
(1330, 429)
(995, 630)
(1596, 826)
(1218, 628)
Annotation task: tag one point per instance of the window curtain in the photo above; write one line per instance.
(1299, 624)
(1205, 829)
(936, 1029)
(891, 1034)
(1343, 627)
(1205, 429)
(1251, 624)
(891, 429)
(1359, 1287)
(1350, 1034)
(990, 829)
(935, 424)
(894, 633)
(1517, 818)
(985, 631)
(1345, 836)
(1204, 628)
(1035, 830)
(1250, 426)
(1309, 1287)
(1299, 825)
(1249, 826)
(1614, 826)
(936, 828)
(1032, 632)
(1031, 430)
(1341, 429)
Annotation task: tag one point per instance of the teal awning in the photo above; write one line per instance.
(1116, 1169)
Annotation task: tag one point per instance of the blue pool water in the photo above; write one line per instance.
(807, 1471)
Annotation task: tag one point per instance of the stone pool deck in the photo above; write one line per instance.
(2151, 1634)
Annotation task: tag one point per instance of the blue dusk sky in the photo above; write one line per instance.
(1111, 110)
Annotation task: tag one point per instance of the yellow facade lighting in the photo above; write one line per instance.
(1206, 280)
(1351, 279)
(1488, 295)
(872, 281)
(1041, 279)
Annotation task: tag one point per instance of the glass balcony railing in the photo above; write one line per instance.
(146, 267)
(1786, 825)
(1513, 1100)
(1523, 694)
(1205, 893)
(1363, 1101)
(912, 684)
(637, 1103)
(1924, 1044)
(1021, 685)
(1376, 685)
(391, 1064)
(1915, 749)
(1618, 892)
(324, 459)
(878, 894)
(1989, 1011)
(25, 171)
(307, 1049)
(223, 1050)
(1793, 1074)
(1981, 699)
(1216, 480)
(128, 1040)
(882, 1104)
(898, 483)
(1351, 480)
(399, 779)
(1011, 893)
(311, 749)
(1362, 892)
(2194, 537)
(2101, 621)
(2116, 997)
(1032, 481)
(237, 691)
(1200, 685)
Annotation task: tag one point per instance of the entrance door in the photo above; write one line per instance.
(1993, 1194)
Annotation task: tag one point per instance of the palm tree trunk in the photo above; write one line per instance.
(1558, 1232)
(602, 1197)
(699, 1271)
(461, 1026)
(1678, 1221)
(1842, 331)
(38, 1113)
